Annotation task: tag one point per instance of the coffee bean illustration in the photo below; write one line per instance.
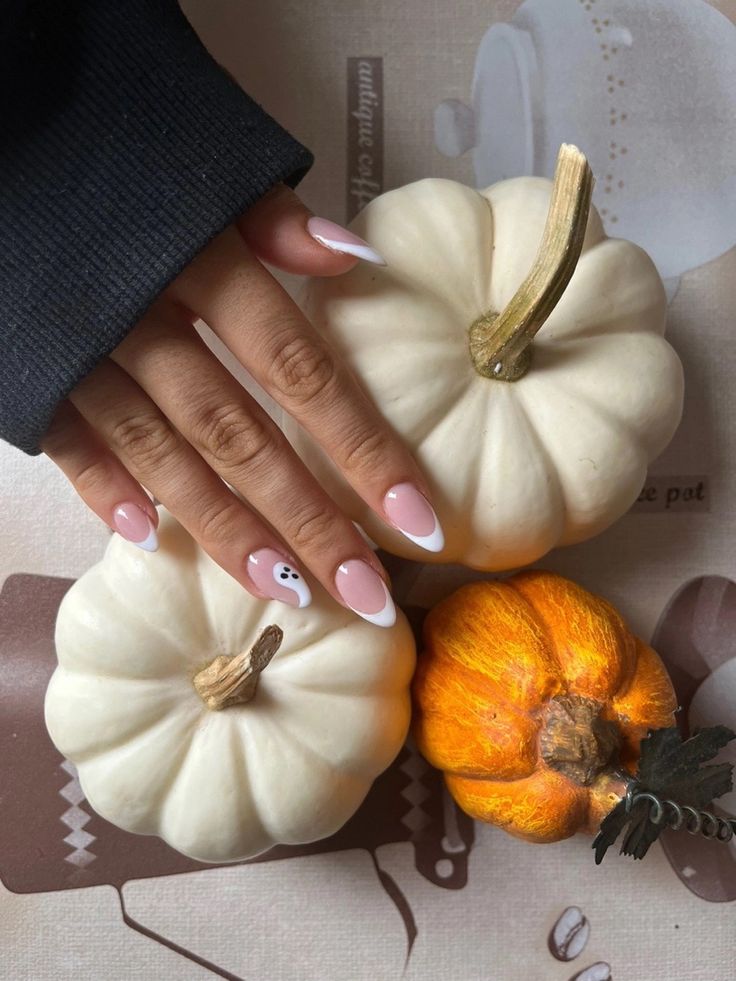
(569, 935)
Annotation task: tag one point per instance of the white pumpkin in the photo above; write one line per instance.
(515, 467)
(330, 712)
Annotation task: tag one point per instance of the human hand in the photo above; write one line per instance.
(162, 412)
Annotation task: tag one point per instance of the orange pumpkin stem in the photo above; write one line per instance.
(233, 680)
(500, 344)
(576, 741)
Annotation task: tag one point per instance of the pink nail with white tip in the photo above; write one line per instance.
(132, 523)
(365, 593)
(410, 512)
(338, 239)
(278, 577)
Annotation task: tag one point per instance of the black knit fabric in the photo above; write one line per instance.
(123, 150)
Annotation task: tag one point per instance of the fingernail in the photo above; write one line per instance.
(133, 524)
(338, 239)
(365, 593)
(278, 577)
(410, 512)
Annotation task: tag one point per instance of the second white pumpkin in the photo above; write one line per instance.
(330, 712)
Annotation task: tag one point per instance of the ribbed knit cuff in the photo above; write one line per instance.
(124, 150)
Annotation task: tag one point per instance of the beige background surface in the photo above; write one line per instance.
(324, 917)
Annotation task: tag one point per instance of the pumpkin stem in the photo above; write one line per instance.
(576, 741)
(500, 344)
(233, 680)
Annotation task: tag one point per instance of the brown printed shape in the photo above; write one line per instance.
(696, 634)
(53, 840)
(569, 935)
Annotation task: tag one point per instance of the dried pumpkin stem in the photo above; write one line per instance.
(576, 741)
(500, 344)
(233, 680)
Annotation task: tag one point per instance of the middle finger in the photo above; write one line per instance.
(168, 359)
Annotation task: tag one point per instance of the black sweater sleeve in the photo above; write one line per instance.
(123, 150)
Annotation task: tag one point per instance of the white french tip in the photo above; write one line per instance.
(149, 544)
(432, 543)
(348, 248)
(385, 617)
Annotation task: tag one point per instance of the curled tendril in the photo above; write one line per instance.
(679, 816)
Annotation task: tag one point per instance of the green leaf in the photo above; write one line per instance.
(670, 768)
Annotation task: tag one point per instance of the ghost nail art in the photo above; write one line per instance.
(278, 578)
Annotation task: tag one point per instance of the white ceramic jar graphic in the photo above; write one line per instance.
(646, 88)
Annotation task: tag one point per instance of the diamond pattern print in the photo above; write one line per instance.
(75, 819)
(416, 792)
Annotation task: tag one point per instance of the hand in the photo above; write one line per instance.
(162, 412)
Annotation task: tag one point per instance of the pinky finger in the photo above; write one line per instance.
(100, 478)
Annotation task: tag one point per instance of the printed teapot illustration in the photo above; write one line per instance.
(647, 90)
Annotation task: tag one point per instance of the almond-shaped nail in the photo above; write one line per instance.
(410, 512)
(338, 239)
(278, 577)
(365, 592)
(132, 523)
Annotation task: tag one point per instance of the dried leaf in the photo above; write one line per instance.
(670, 769)
(611, 827)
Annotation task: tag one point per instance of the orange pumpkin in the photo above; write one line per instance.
(532, 696)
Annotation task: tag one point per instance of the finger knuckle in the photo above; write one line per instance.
(218, 523)
(302, 369)
(233, 436)
(93, 478)
(313, 528)
(144, 439)
(364, 451)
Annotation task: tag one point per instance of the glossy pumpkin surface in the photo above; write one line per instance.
(532, 695)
